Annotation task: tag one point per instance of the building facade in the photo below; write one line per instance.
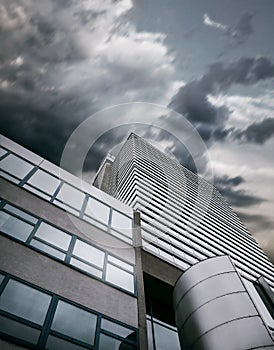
(151, 257)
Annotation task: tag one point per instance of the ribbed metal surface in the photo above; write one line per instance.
(214, 311)
(184, 218)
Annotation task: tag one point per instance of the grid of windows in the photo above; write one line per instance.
(41, 235)
(65, 196)
(39, 319)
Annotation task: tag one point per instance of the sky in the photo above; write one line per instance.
(211, 61)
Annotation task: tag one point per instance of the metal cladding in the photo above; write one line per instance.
(214, 311)
(184, 218)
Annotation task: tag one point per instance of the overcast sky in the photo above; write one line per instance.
(210, 60)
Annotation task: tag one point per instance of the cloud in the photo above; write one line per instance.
(61, 61)
(258, 132)
(239, 33)
(243, 29)
(194, 99)
(209, 22)
(262, 228)
(229, 181)
(236, 197)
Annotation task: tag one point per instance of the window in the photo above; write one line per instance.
(53, 235)
(24, 301)
(97, 210)
(44, 182)
(121, 223)
(55, 242)
(43, 320)
(161, 330)
(14, 226)
(16, 167)
(71, 196)
(74, 322)
(120, 277)
(65, 196)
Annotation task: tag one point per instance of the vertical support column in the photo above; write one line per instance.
(140, 283)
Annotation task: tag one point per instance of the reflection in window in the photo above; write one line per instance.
(14, 226)
(74, 322)
(89, 253)
(120, 263)
(53, 235)
(97, 210)
(44, 182)
(86, 267)
(2, 152)
(20, 213)
(107, 343)
(55, 343)
(120, 277)
(165, 336)
(71, 196)
(19, 330)
(118, 329)
(47, 249)
(24, 301)
(121, 223)
(55, 242)
(15, 166)
(26, 314)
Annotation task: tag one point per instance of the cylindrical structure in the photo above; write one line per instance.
(214, 311)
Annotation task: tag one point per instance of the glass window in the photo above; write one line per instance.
(166, 338)
(16, 166)
(24, 301)
(44, 181)
(120, 263)
(40, 194)
(89, 253)
(20, 213)
(2, 152)
(149, 335)
(107, 343)
(85, 267)
(1, 278)
(66, 207)
(14, 227)
(47, 249)
(53, 235)
(121, 223)
(54, 343)
(9, 177)
(71, 196)
(19, 330)
(115, 328)
(74, 322)
(97, 210)
(120, 278)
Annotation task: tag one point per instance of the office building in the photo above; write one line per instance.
(103, 268)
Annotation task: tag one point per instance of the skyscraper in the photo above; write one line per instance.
(80, 269)
(184, 219)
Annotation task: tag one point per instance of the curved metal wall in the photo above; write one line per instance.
(213, 310)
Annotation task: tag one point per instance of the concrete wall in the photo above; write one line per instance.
(55, 276)
(213, 310)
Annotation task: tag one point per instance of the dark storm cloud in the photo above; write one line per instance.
(36, 47)
(243, 29)
(235, 197)
(192, 99)
(228, 181)
(258, 132)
